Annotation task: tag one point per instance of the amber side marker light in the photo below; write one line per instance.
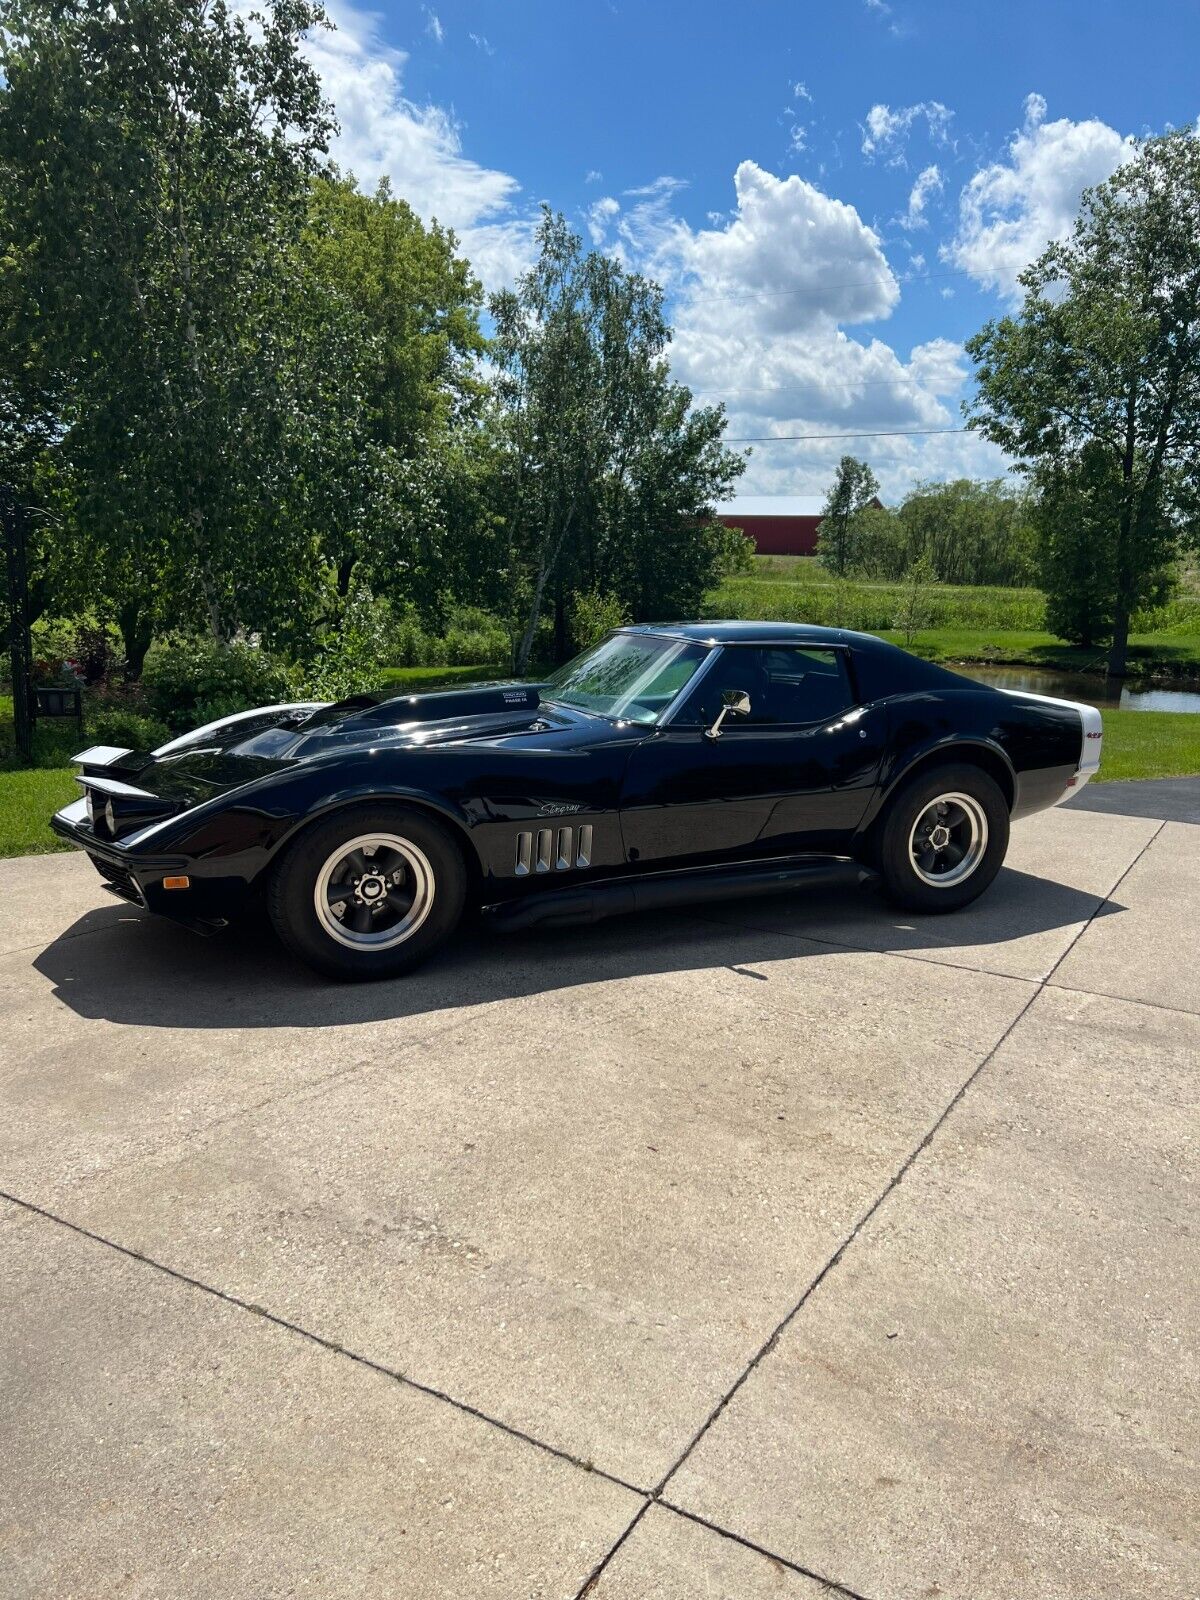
(177, 883)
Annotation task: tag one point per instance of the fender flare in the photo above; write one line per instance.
(948, 747)
(375, 794)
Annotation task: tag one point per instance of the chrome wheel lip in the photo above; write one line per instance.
(966, 821)
(418, 868)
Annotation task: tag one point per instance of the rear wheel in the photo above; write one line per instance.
(945, 839)
(369, 893)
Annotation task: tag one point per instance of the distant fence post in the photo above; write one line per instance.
(20, 651)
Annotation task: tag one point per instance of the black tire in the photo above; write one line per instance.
(405, 902)
(962, 841)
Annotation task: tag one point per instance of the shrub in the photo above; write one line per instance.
(350, 659)
(915, 610)
(92, 646)
(474, 638)
(190, 681)
(94, 653)
(112, 725)
(409, 643)
(591, 615)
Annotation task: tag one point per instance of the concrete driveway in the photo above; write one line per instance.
(791, 1249)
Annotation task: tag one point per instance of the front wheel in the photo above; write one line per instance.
(944, 840)
(369, 893)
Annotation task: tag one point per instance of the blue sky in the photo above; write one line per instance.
(834, 196)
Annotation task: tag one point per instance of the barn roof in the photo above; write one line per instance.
(773, 505)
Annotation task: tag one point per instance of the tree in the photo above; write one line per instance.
(878, 544)
(853, 489)
(971, 532)
(155, 157)
(915, 611)
(1078, 501)
(608, 472)
(1097, 380)
(418, 298)
(408, 386)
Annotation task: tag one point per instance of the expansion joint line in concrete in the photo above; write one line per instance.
(330, 1345)
(885, 1193)
(648, 1497)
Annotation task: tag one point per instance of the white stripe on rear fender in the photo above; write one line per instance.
(1093, 735)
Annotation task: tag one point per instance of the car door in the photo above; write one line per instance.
(795, 775)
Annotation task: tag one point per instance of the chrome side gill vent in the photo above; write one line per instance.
(545, 840)
(549, 849)
(524, 855)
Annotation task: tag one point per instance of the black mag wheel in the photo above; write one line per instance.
(944, 839)
(368, 893)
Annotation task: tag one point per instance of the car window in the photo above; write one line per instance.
(787, 684)
(630, 676)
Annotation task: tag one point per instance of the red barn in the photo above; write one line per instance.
(779, 524)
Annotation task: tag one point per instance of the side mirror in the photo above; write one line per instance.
(734, 703)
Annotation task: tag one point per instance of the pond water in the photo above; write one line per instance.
(1093, 691)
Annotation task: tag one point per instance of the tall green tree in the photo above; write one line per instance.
(156, 157)
(407, 383)
(853, 489)
(418, 298)
(1078, 499)
(1097, 379)
(609, 472)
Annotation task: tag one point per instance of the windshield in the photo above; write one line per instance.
(631, 676)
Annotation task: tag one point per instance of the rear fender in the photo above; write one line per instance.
(943, 751)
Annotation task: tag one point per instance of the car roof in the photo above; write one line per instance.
(742, 632)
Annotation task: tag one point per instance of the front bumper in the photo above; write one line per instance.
(138, 878)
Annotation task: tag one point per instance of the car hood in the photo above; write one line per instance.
(255, 745)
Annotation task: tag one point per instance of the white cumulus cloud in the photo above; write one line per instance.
(385, 133)
(761, 304)
(802, 255)
(1012, 209)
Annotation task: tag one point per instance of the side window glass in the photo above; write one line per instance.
(787, 685)
(805, 685)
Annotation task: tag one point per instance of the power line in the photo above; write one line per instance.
(878, 433)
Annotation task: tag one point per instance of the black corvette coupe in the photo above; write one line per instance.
(669, 764)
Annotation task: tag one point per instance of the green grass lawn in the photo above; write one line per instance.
(1165, 655)
(27, 801)
(966, 624)
(1149, 744)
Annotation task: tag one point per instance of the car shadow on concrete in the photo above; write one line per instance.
(121, 965)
